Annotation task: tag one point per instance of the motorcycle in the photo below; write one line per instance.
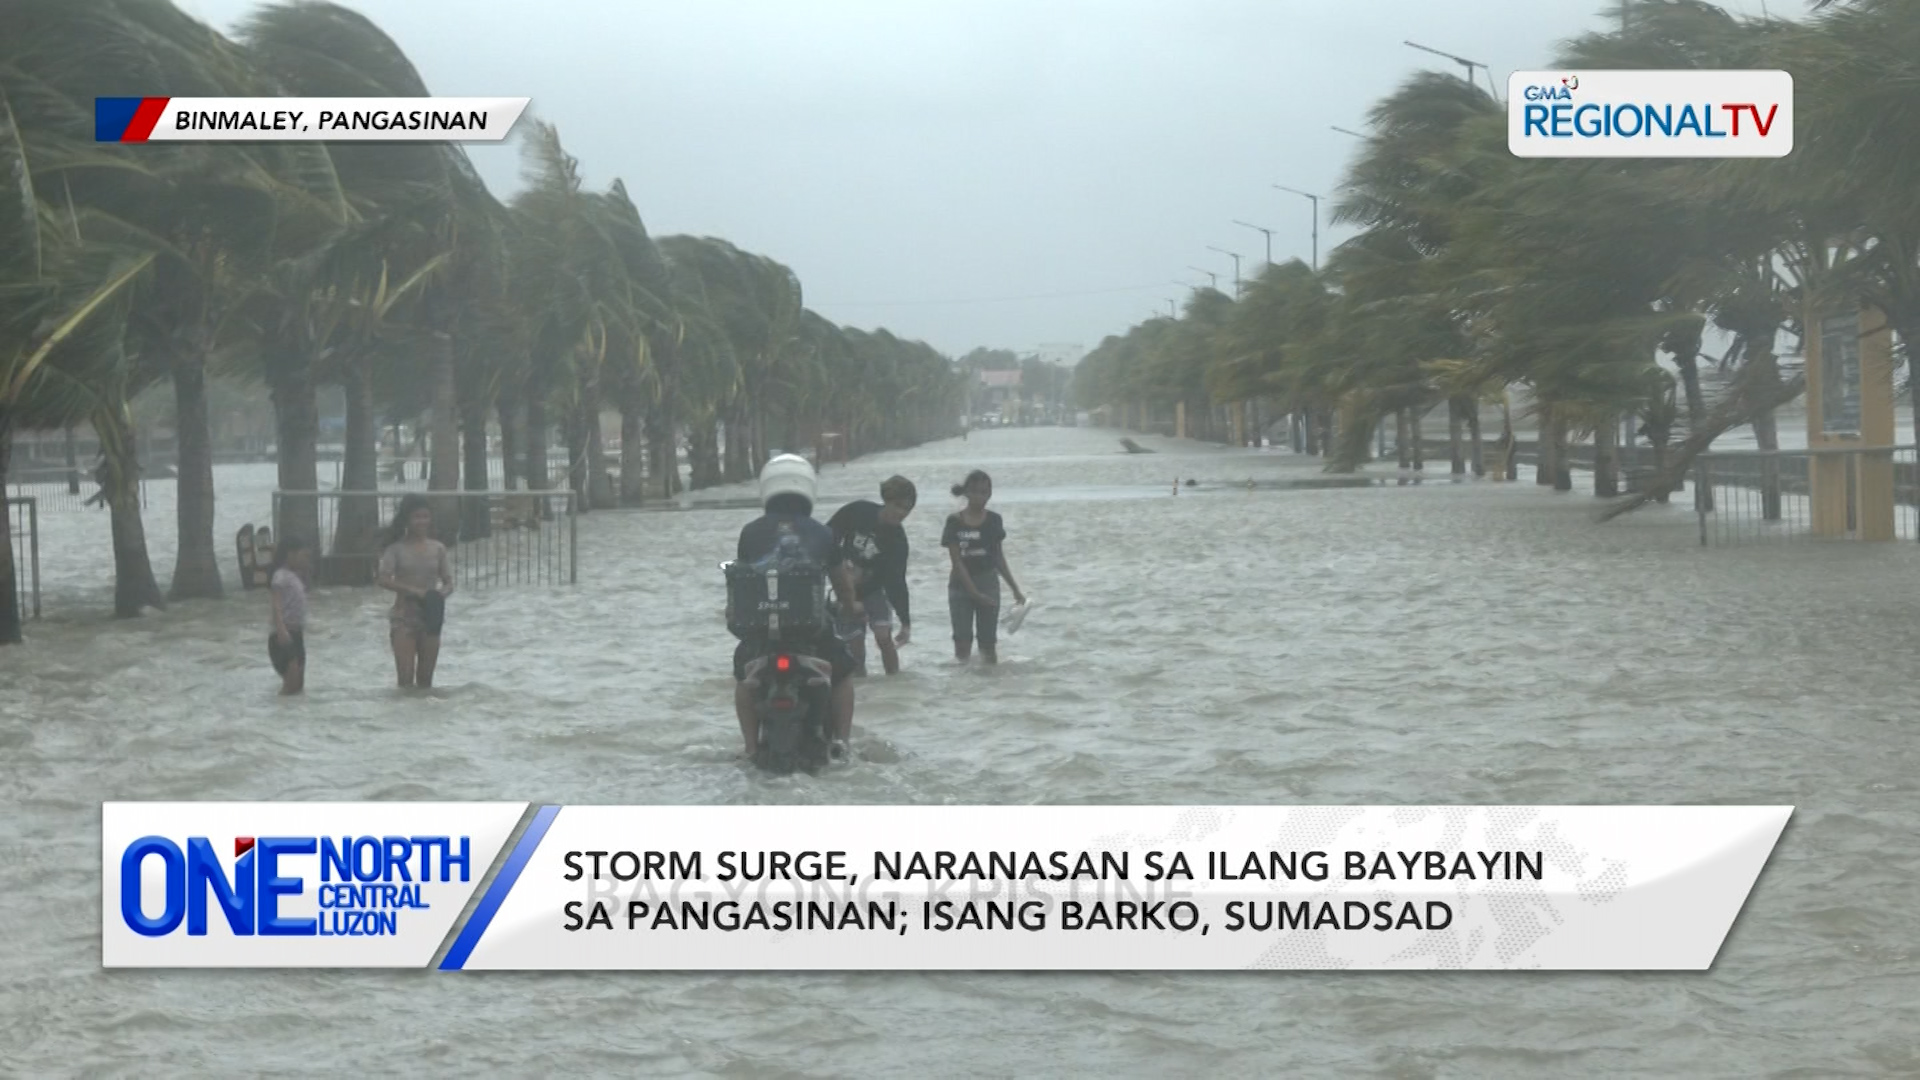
(782, 607)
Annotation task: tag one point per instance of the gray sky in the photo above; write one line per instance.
(907, 157)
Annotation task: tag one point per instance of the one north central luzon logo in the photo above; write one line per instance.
(366, 883)
(1555, 111)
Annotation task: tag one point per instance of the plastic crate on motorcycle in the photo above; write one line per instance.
(783, 598)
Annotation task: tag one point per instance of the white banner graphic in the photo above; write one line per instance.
(1650, 114)
(1120, 888)
(357, 119)
(351, 885)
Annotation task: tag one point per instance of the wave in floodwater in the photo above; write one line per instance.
(1478, 643)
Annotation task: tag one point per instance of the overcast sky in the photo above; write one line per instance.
(1011, 173)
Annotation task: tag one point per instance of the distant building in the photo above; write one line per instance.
(999, 391)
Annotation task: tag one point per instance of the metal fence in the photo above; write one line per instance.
(1767, 495)
(57, 489)
(24, 529)
(410, 474)
(497, 537)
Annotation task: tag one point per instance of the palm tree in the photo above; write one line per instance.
(63, 303)
(430, 224)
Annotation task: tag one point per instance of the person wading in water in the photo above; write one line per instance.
(287, 605)
(415, 566)
(973, 539)
(874, 544)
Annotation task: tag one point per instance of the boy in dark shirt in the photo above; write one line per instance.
(875, 546)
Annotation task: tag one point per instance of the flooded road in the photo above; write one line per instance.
(1436, 644)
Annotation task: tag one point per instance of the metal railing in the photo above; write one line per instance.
(24, 529)
(1768, 495)
(410, 473)
(56, 489)
(497, 537)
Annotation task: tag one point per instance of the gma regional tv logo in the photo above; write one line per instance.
(365, 883)
(291, 884)
(1650, 114)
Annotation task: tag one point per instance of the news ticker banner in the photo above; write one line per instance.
(1650, 114)
(354, 119)
(921, 888)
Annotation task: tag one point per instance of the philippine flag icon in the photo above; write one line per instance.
(242, 845)
(126, 119)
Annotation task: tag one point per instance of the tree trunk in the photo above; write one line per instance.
(296, 433)
(703, 453)
(1476, 448)
(1402, 451)
(134, 587)
(660, 451)
(662, 446)
(738, 449)
(196, 572)
(1415, 415)
(475, 518)
(9, 578)
(599, 484)
(73, 464)
(1606, 465)
(1562, 461)
(1455, 429)
(1544, 446)
(1766, 430)
(356, 526)
(538, 478)
(445, 447)
(513, 462)
(577, 456)
(633, 456)
(1327, 431)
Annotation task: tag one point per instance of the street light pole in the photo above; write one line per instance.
(1236, 265)
(1463, 62)
(1263, 230)
(1345, 131)
(1212, 278)
(1315, 199)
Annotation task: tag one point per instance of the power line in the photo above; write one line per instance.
(986, 299)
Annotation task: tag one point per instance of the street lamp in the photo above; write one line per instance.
(1236, 265)
(1463, 62)
(1212, 277)
(1345, 131)
(1315, 199)
(1260, 229)
(1172, 311)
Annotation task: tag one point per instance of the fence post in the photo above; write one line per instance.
(33, 542)
(1703, 477)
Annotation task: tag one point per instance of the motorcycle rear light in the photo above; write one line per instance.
(782, 664)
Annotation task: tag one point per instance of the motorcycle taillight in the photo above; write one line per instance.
(783, 664)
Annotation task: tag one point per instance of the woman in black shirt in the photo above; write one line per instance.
(974, 539)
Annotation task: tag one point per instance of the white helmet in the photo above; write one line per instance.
(787, 474)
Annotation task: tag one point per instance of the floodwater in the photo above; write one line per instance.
(1442, 643)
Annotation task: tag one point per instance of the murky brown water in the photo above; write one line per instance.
(1476, 644)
